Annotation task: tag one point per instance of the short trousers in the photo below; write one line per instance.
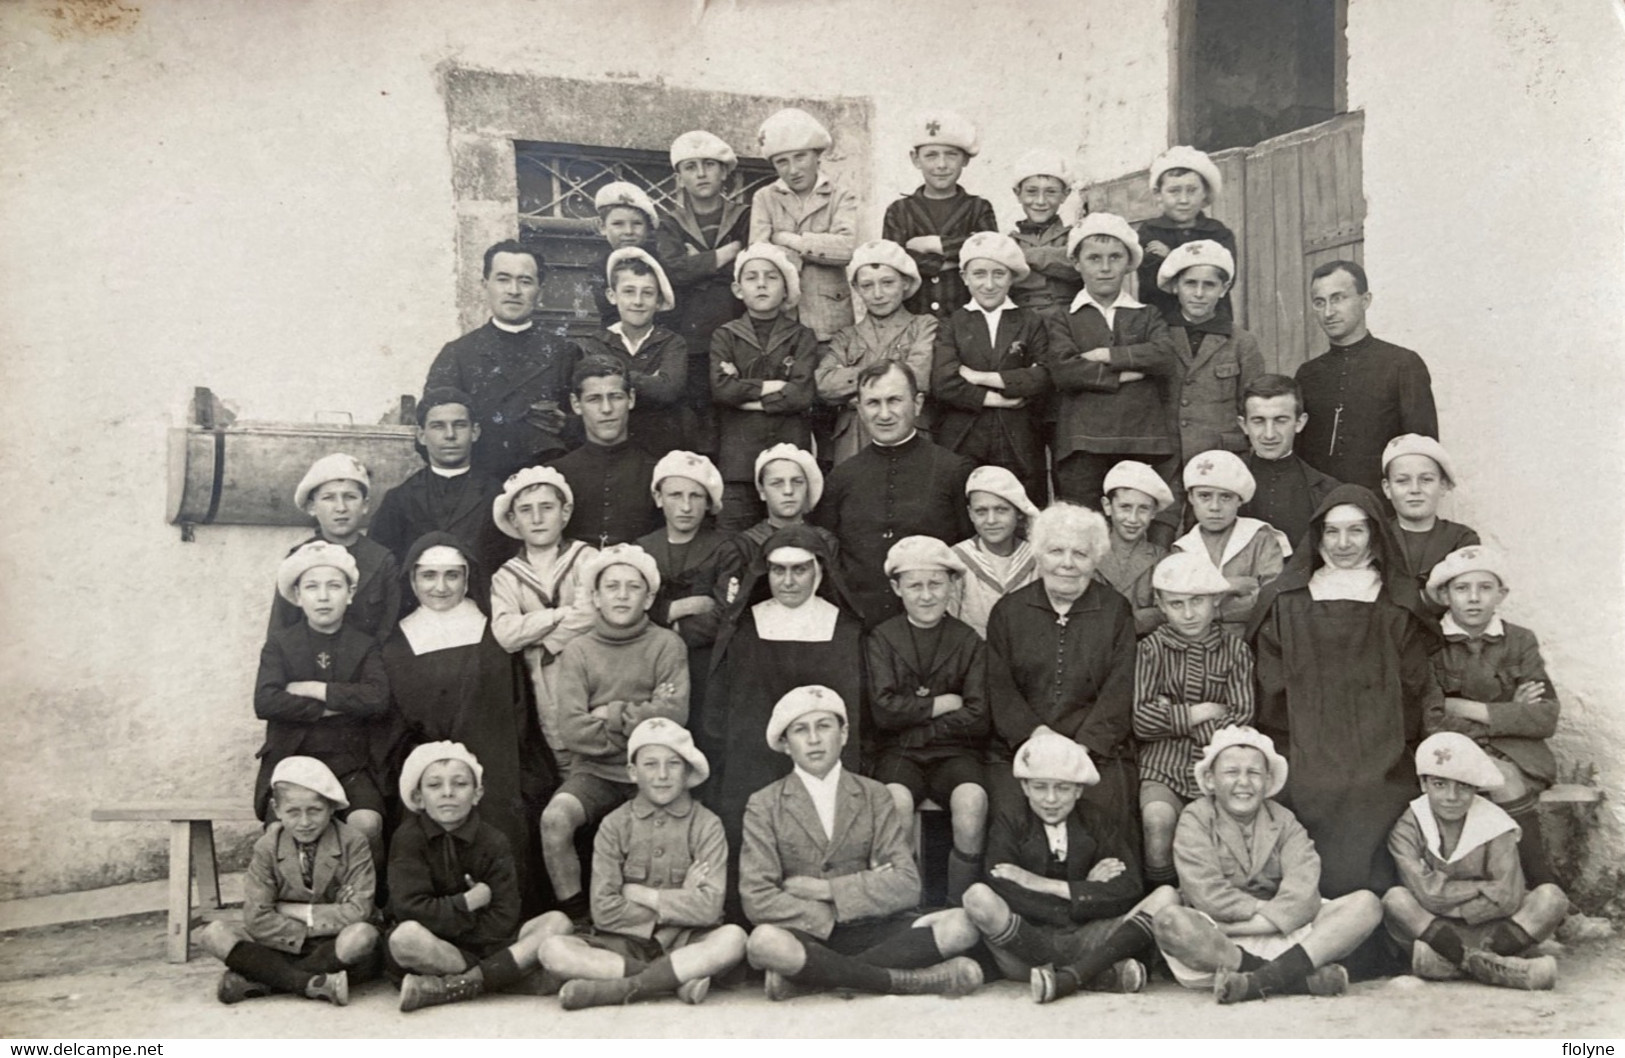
(1152, 792)
(636, 952)
(1472, 934)
(935, 778)
(598, 796)
(362, 791)
(855, 938)
(1266, 946)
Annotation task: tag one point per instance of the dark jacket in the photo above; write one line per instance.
(1205, 394)
(505, 374)
(1096, 411)
(658, 375)
(1023, 346)
(705, 299)
(1359, 397)
(942, 290)
(790, 356)
(897, 673)
(427, 503)
(1159, 229)
(610, 484)
(429, 871)
(1016, 836)
(377, 603)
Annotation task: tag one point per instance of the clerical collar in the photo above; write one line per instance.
(1366, 337)
(511, 328)
(1277, 461)
(912, 434)
(448, 472)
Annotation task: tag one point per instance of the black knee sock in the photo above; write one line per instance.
(1030, 943)
(267, 966)
(907, 949)
(1442, 937)
(499, 971)
(658, 977)
(1155, 876)
(1509, 938)
(1127, 940)
(1537, 868)
(825, 969)
(1250, 962)
(1283, 974)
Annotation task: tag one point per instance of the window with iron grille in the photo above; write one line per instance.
(557, 183)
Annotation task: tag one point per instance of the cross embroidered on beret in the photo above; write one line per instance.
(933, 127)
(1441, 755)
(1205, 467)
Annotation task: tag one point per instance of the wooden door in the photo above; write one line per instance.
(1294, 202)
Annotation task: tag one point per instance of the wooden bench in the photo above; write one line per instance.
(191, 856)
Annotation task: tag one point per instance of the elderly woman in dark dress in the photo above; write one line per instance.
(1060, 655)
(1342, 644)
(452, 681)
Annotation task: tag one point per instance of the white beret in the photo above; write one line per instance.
(668, 300)
(1190, 254)
(922, 552)
(312, 774)
(798, 703)
(1106, 224)
(621, 555)
(1218, 469)
(766, 251)
(885, 252)
(1415, 444)
(801, 458)
(309, 557)
(1238, 735)
(1474, 559)
(791, 129)
(1133, 474)
(518, 482)
(694, 467)
(1187, 158)
(335, 467)
(659, 731)
(621, 193)
(1452, 755)
(418, 761)
(1187, 573)
(1056, 758)
(1041, 162)
(701, 144)
(1003, 484)
(995, 246)
(947, 128)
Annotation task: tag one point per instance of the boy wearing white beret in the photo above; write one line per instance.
(989, 378)
(1134, 496)
(538, 600)
(334, 492)
(1063, 906)
(883, 277)
(1042, 180)
(807, 215)
(928, 694)
(1462, 905)
(827, 876)
(1417, 473)
(1249, 553)
(933, 222)
(1191, 677)
(1185, 183)
(655, 359)
(307, 897)
(322, 691)
(761, 378)
(698, 239)
(998, 558)
(1112, 379)
(626, 218)
(1253, 923)
(454, 888)
(623, 671)
(659, 871)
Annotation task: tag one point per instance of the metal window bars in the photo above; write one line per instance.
(557, 181)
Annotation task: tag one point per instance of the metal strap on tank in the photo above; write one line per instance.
(217, 478)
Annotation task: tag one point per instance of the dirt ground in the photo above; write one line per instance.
(108, 979)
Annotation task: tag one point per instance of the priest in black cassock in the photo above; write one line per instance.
(1362, 392)
(448, 495)
(1288, 490)
(900, 485)
(517, 372)
(609, 475)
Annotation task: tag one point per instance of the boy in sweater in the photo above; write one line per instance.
(625, 670)
(1463, 907)
(1042, 182)
(659, 869)
(933, 222)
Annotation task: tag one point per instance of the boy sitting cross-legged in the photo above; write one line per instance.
(1463, 906)
(827, 876)
(659, 870)
(1253, 923)
(307, 897)
(1063, 906)
(454, 889)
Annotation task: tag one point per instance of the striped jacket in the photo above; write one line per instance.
(1171, 674)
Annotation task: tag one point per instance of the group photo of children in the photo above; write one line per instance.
(897, 617)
